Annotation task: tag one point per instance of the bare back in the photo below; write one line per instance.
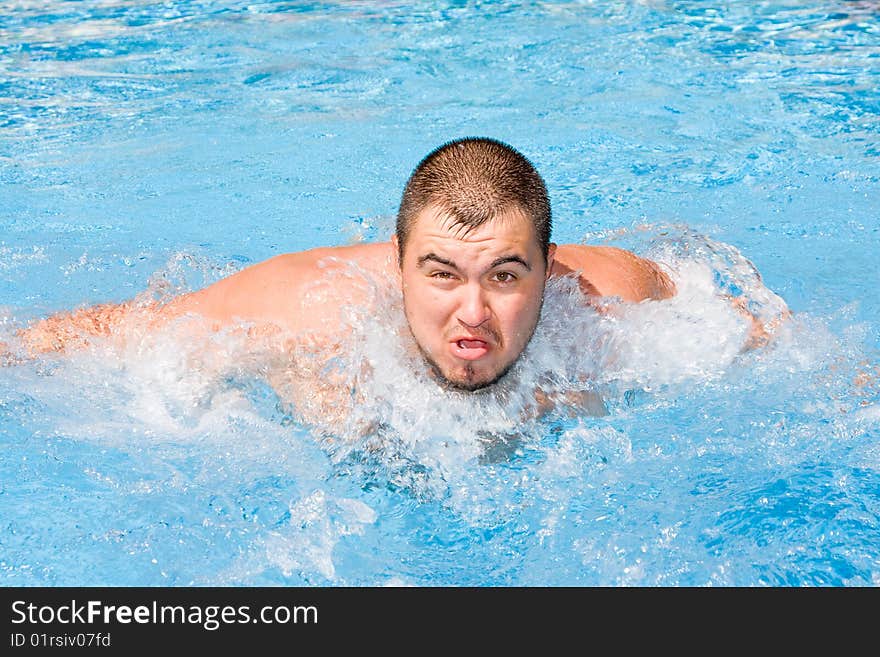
(298, 293)
(296, 305)
(605, 271)
(303, 293)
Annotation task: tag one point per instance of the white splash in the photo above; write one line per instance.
(316, 525)
(160, 388)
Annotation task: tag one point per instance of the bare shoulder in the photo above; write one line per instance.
(374, 258)
(289, 267)
(611, 271)
(294, 291)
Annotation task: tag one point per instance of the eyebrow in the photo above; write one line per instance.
(503, 260)
(433, 257)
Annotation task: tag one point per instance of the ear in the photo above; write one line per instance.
(395, 250)
(551, 253)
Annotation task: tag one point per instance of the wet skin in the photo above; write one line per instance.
(472, 298)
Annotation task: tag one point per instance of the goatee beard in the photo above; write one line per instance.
(463, 386)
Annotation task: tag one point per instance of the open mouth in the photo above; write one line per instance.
(470, 348)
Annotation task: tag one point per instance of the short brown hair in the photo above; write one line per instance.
(474, 180)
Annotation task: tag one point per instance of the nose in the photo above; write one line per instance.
(473, 309)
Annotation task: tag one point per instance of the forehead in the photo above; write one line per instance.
(434, 227)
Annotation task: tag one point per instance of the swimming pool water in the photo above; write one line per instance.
(160, 146)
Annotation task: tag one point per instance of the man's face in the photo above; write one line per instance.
(472, 299)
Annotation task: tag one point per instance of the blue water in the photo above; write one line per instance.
(159, 146)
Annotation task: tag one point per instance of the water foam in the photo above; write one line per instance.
(482, 455)
(175, 388)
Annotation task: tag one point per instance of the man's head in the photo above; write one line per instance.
(475, 180)
(473, 243)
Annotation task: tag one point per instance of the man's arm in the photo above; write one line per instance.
(294, 292)
(241, 296)
(72, 329)
(760, 333)
(613, 272)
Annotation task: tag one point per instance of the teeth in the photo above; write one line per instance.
(470, 344)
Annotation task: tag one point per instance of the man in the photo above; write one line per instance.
(470, 258)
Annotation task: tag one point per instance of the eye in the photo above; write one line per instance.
(504, 277)
(442, 275)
